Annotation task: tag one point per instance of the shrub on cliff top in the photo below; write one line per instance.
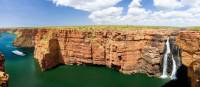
(106, 27)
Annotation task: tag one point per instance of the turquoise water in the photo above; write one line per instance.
(25, 72)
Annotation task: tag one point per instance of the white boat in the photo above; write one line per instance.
(18, 53)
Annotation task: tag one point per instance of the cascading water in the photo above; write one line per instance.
(174, 69)
(175, 64)
(167, 52)
(172, 51)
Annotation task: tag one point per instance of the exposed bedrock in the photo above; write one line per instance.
(3, 76)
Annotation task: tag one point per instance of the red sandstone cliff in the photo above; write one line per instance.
(189, 41)
(129, 51)
(3, 76)
(24, 37)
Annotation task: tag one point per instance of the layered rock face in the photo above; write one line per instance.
(129, 51)
(189, 42)
(25, 37)
(3, 76)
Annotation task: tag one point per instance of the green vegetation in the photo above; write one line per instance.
(197, 28)
(105, 27)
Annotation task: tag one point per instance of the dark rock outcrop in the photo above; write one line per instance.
(182, 78)
(194, 73)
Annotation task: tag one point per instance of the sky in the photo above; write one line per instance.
(23, 13)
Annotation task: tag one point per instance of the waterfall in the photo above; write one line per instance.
(175, 65)
(167, 52)
(174, 69)
(172, 51)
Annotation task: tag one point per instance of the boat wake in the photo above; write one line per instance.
(16, 52)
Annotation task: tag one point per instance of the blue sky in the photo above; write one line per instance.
(39, 12)
(15, 13)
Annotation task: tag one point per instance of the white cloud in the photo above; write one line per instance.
(135, 3)
(169, 13)
(87, 5)
(168, 4)
(176, 4)
(110, 15)
(135, 9)
(191, 3)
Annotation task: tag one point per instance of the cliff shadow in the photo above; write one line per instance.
(182, 78)
(54, 58)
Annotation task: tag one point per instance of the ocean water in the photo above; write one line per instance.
(25, 72)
